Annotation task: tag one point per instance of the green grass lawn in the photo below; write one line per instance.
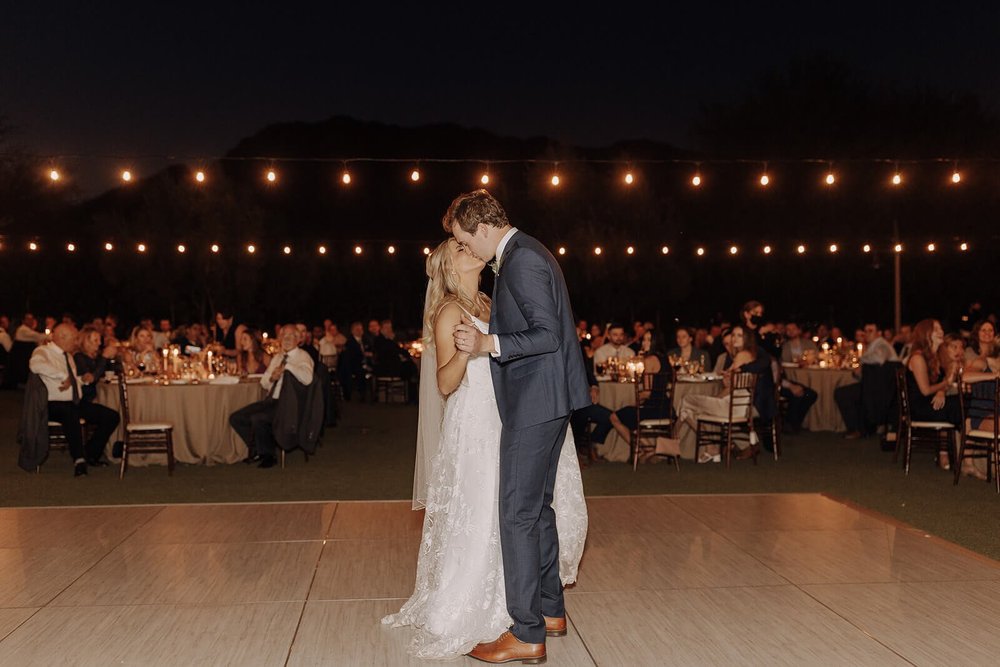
(369, 456)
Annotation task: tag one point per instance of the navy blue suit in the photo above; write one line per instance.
(539, 378)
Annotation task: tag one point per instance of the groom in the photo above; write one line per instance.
(539, 380)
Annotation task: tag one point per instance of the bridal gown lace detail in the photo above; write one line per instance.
(458, 599)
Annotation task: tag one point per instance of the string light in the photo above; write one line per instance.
(391, 249)
(931, 247)
(833, 247)
(251, 249)
(322, 250)
(127, 176)
(141, 247)
(801, 250)
(897, 178)
(427, 250)
(696, 180)
(963, 247)
(700, 251)
(765, 180)
(866, 248)
(345, 178)
(665, 250)
(108, 247)
(271, 176)
(32, 246)
(630, 250)
(956, 177)
(733, 250)
(555, 180)
(71, 247)
(215, 248)
(287, 250)
(414, 176)
(767, 250)
(629, 178)
(199, 176)
(898, 247)
(54, 175)
(181, 249)
(562, 250)
(358, 250)
(485, 179)
(830, 178)
(598, 250)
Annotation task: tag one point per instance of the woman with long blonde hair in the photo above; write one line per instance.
(459, 598)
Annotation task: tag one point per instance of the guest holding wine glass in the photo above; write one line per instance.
(92, 360)
(141, 354)
(686, 352)
(251, 359)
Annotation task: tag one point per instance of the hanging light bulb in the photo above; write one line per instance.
(271, 176)
(251, 249)
(322, 250)
(629, 179)
(834, 248)
(54, 175)
(215, 248)
(127, 176)
(897, 178)
(630, 250)
(562, 250)
(801, 250)
(108, 247)
(700, 251)
(391, 250)
(830, 178)
(956, 177)
(358, 250)
(32, 246)
(898, 247)
(485, 179)
(181, 249)
(287, 250)
(555, 180)
(345, 177)
(767, 250)
(427, 250)
(931, 247)
(665, 250)
(866, 248)
(963, 247)
(696, 180)
(765, 180)
(199, 176)
(733, 250)
(71, 247)
(415, 175)
(598, 250)
(141, 247)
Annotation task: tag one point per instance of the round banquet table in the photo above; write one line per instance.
(615, 395)
(824, 414)
(199, 414)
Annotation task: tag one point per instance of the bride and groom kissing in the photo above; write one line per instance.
(496, 471)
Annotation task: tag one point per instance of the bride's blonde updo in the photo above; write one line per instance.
(444, 287)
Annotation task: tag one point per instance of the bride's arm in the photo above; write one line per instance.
(451, 361)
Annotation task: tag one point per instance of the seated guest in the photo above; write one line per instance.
(876, 351)
(253, 422)
(725, 340)
(927, 382)
(951, 354)
(305, 342)
(351, 366)
(251, 359)
(796, 344)
(54, 364)
(328, 349)
(745, 357)
(141, 355)
(685, 351)
(387, 331)
(225, 332)
(596, 336)
(595, 412)
(655, 405)
(614, 348)
(92, 360)
(162, 337)
(28, 331)
(701, 340)
(902, 341)
(638, 331)
(979, 415)
(6, 342)
(797, 396)
(983, 351)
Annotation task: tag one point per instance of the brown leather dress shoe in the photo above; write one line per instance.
(555, 626)
(508, 648)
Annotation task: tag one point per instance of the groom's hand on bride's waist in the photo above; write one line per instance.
(469, 339)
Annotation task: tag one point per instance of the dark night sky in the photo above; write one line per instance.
(187, 79)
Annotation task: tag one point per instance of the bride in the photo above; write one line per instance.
(458, 600)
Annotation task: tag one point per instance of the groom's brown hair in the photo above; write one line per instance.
(470, 210)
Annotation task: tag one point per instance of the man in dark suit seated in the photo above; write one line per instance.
(351, 367)
(254, 422)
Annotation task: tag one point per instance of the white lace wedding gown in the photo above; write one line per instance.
(459, 598)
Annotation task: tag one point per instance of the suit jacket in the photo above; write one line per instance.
(539, 374)
(33, 431)
(298, 418)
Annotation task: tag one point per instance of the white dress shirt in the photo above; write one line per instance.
(878, 352)
(299, 363)
(49, 363)
(28, 335)
(500, 248)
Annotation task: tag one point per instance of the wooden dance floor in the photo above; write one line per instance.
(666, 580)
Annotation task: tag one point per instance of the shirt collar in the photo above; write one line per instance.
(503, 242)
